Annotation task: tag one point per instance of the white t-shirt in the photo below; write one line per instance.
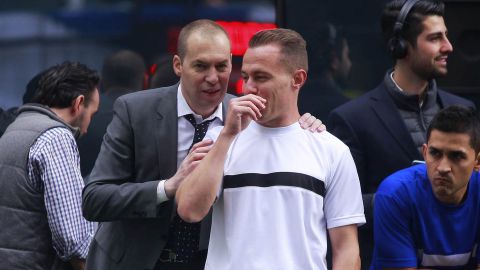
(282, 189)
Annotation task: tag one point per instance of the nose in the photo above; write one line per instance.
(446, 46)
(248, 87)
(444, 166)
(212, 76)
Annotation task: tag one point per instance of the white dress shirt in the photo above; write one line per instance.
(186, 132)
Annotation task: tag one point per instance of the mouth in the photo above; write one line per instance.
(442, 59)
(441, 181)
(211, 91)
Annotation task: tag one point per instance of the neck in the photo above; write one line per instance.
(410, 82)
(64, 114)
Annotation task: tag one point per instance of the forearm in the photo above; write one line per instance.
(346, 259)
(345, 250)
(198, 191)
(109, 200)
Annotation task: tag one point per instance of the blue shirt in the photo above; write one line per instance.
(414, 229)
(54, 169)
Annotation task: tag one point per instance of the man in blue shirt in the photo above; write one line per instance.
(428, 216)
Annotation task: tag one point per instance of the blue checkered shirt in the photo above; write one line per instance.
(54, 169)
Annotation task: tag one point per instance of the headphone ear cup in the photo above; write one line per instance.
(397, 47)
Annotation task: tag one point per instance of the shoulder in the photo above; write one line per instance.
(54, 138)
(150, 94)
(451, 99)
(403, 181)
(326, 144)
(358, 104)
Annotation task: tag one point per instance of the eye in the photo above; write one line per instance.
(434, 153)
(260, 78)
(457, 156)
(222, 67)
(199, 66)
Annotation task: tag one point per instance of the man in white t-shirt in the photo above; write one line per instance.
(275, 189)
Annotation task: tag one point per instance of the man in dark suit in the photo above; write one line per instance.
(123, 72)
(146, 154)
(385, 128)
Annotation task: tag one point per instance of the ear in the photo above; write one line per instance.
(177, 65)
(77, 103)
(424, 151)
(477, 163)
(299, 78)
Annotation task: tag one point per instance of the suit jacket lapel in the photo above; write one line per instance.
(386, 110)
(166, 132)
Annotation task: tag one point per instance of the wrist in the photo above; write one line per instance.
(170, 188)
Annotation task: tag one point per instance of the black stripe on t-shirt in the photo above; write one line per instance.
(290, 179)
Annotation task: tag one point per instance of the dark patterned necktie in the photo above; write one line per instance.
(186, 236)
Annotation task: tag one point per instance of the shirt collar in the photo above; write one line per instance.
(183, 108)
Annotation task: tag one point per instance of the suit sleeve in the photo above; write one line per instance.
(342, 129)
(394, 242)
(110, 193)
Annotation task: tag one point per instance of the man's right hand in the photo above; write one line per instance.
(241, 111)
(191, 161)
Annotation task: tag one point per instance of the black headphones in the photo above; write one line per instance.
(397, 46)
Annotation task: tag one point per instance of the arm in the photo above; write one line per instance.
(198, 191)
(111, 193)
(345, 251)
(55, 162)
(394, 244)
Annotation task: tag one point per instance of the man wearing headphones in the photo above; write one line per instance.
(386, 127)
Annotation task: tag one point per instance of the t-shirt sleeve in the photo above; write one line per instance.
(343, 196)
(394, 243)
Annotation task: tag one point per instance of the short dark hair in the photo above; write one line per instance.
(32, 87)
(204, 27)
(123, 70)
(412, 27)
(61, 84)
(292, 45)
(458, 119)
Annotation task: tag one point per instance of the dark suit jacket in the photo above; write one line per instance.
(139, 149)
(377, 135)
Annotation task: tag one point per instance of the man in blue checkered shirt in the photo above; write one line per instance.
(41, 224)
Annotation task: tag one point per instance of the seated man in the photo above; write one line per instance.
(277, 188)
(428, 216)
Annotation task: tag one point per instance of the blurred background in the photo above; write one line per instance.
(37, 34)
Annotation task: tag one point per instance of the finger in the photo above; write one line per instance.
(319, 129)
(197, 157)
(304, 117)
(307, 122)
(316, 124)
(251, 105)
(247, 112)
(203, 143)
